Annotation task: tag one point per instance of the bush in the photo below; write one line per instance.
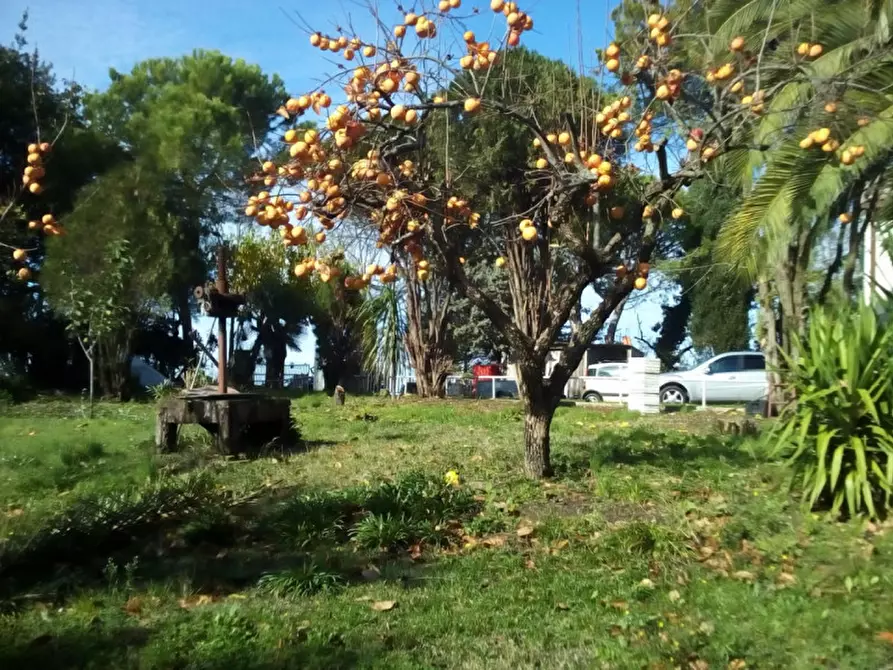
(838, 434)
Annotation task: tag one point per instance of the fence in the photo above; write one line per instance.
(295, 376)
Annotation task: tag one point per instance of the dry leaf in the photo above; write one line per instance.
(415, 551)
(885, 636)
(786, 578)
(562, 606)
(620, 605)
(646, 584)
(561, 544)
(744, 575)
(524, 531)
(674, 595)
(737, 664)
(15, 511)
(529, 564)
(497, 540)
(384, 605)
(698, 664)
(195, 601)
(134, 605)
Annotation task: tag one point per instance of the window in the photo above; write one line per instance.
(726, 364)
(754, 362)
(607, 372)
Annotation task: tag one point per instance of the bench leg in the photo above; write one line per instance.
(165, 435)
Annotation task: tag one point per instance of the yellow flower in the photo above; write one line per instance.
(452, 478)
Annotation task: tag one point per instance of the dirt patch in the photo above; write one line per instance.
(566, 504)
(615, 512)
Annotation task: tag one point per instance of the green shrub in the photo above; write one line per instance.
(838, 435)
(302, 581)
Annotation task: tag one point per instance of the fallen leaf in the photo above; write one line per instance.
(674, 595)
(646, 584)
(885, 636)
(620, 605)
(195, 601)
(561, 544)
(698, 664)
(133, 605)
(32, 433)
(496, 540)
(14, 512)
(524, 531)
(384, 605)
(743, 575)
(707, 628)
(786, 578)
(415, 551)
(562, 606)
(529, 564)
(737, 664)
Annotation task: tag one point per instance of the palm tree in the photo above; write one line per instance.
(384, 333)
(798, 230)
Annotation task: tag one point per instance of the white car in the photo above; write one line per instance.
(606, 382)
(736, 376)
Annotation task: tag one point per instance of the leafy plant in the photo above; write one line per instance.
(303, 581)
(419, 496)
(163, 390)
(313, 517)
(839, 433)
(385, 531)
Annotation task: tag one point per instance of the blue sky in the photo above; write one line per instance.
(84, 38)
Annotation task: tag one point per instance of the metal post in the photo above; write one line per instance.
(222, 288)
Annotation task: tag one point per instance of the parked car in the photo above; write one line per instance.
(736, 376)
(606, 382)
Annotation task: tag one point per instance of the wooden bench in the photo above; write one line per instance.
(239, 421)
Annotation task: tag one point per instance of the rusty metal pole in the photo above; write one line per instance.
(223, 289)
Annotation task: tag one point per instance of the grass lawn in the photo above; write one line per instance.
(658, 545)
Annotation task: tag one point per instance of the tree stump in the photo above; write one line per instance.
(339, 395)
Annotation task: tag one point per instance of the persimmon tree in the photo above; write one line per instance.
(586, 201)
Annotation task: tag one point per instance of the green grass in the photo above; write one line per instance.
(658, 544)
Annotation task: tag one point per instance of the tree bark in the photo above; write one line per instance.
(540, 402)
(769, 345)
(612, 327)
(537, 448)
(427, 335)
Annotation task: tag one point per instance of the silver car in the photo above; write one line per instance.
(736, 376)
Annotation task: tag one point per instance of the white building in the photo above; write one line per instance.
(877, 275)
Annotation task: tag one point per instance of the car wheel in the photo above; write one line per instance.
(673, 395)
(592, 396)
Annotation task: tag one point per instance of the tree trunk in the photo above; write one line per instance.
(427, 335)
(537, 452)
(612, 327)
(184, 314)
(540, 402)
(769, 345)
